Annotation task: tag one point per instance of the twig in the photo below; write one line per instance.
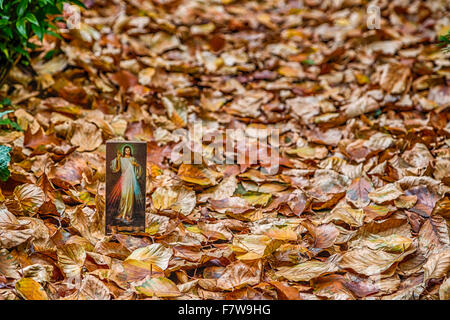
(6, 69)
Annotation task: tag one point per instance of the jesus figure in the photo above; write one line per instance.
(127, 187)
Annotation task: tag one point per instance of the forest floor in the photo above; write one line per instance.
(358, 208)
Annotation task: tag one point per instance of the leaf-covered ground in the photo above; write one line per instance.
(359, 208)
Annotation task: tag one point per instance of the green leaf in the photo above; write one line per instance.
(20, 20)
(54, 34)
(21, 27)
(8, 121)
(39, 31)
(308, 62)
(8, 32)
(6, 102)
(22, 7)
(51, 53)
(5, 52)
(79, 3)
(5, 158)
(31, 18)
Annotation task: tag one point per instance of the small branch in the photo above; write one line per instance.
(9, 66)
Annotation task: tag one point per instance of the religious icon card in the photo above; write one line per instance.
(125, 186)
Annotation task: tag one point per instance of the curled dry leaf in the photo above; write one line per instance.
(394, 77)
(393, 243)
(434, 234)
(38, 272)
(29, 198)
(12, 232)
(438, 265)
(444, 290)
(223, 190)
(285, 292)
(405, 202)
(332, 286)
(9, 267)
(345, 213)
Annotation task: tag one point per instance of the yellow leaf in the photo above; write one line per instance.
(30, 289)
(361, 78)
(152, 228)
(258, 199)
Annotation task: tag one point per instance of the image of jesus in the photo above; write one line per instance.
(127, 187)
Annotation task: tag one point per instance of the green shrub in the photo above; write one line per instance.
(20, 20)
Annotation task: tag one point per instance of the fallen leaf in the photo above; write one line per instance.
(159, 287)
(71, 258)
(155, 254)
(358, 192)
(308, 270)
(30, 289)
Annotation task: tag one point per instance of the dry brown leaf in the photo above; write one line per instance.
(437, 265)
(253, 247)
(155, 254)
(333, 287)
(71, 259)
(159, 287)
(386, 193)
(308, 270)
(285, 292)
(86, 136)
(325, 235)
(370, 262)
(93, 289)
(29, 197)
(198, 175)
(239, 274)
(9, 266)
(444, 290)
(358, 192)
